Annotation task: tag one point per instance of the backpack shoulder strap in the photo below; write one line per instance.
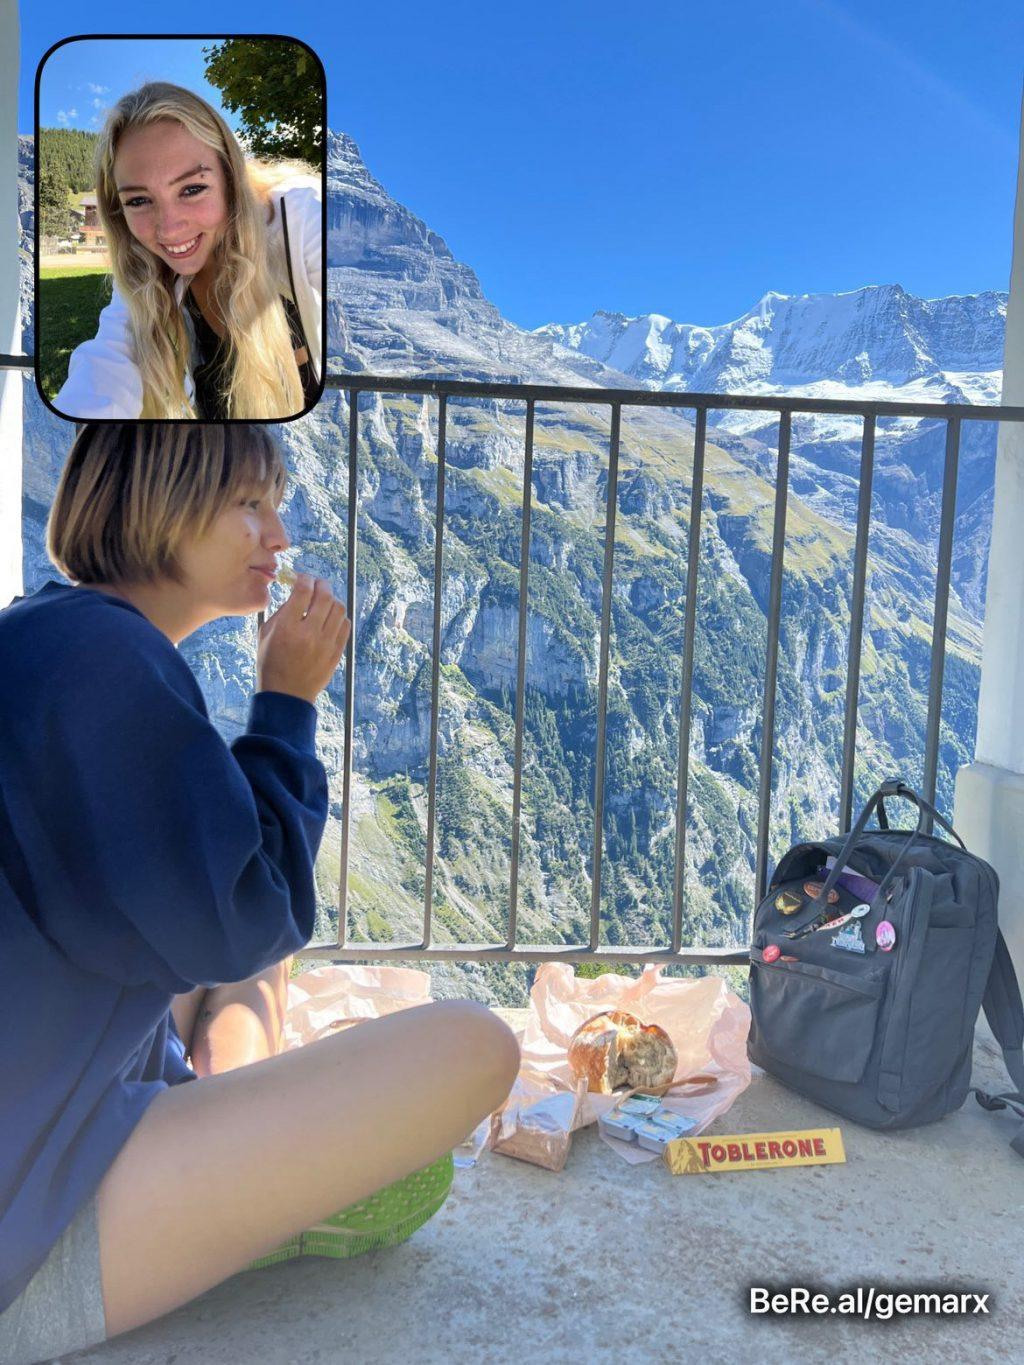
(1005, 1014)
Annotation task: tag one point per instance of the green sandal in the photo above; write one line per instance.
(386, 1218)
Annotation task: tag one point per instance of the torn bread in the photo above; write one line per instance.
(615, 1049)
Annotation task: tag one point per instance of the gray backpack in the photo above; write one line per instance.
(870, 958)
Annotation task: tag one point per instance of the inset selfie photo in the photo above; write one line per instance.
(180, 228)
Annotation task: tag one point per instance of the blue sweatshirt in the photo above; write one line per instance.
(140, 856)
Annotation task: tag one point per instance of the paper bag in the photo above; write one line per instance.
(327, 999)
(706, 1021)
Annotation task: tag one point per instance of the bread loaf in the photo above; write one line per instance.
(615, 1049)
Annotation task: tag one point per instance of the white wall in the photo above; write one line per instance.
(989, 811)
(11, 381)
(1001, 704)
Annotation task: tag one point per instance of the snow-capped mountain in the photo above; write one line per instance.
(878, 342)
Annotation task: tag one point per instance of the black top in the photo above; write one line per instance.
(209, 399)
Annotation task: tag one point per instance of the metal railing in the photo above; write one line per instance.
(953, 415)
(673, 952)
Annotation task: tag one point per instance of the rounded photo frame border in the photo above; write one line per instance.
(170, 37)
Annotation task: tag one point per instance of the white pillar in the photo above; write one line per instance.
(989, 809)
(11, 381)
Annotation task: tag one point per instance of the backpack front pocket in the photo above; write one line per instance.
(814, 1019)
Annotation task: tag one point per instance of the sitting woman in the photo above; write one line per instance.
(150, 870)
(217, 262)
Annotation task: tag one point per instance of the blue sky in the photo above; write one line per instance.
(673, 157)
(82, 78)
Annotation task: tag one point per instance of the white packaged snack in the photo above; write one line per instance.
(638, 1104)
(621, 1126)
(676, 1124)
(654, 1137)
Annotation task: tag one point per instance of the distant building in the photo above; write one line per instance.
(91, 229)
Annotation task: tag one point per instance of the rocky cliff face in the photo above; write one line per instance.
(401, 304)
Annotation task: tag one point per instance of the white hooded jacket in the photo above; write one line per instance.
(104, 381)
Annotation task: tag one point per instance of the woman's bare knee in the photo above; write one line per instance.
(491, 1044)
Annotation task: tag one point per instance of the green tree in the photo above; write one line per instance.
(454, 808)
(66, 167)
(54, 208)
(276, 85)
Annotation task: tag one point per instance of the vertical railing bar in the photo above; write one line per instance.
(860, 564)
(942, 574)
(350, 664)
(602, 683)
(435, 671)
(686, 685)
(772, 657)
(517, 768)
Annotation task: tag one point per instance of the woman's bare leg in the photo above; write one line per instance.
(240, 1022)
(223, 1170)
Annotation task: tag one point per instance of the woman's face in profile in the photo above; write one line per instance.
(232, 565)
(173, 194)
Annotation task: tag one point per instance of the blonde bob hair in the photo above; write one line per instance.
(262, 377)
(131, 492)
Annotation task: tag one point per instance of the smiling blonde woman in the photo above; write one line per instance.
(218, 272)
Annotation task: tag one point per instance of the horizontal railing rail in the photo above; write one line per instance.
(786, 407)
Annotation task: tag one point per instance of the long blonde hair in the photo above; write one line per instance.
(261, 374)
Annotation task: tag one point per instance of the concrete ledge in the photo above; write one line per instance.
(608, 1262)
(988, 815)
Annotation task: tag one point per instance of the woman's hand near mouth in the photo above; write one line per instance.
(301, 644)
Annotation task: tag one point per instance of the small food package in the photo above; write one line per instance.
(536, 1122)
(643, 1119)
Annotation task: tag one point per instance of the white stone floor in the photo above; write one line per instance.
(606, 1262)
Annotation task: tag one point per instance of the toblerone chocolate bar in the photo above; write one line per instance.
(754, 1151)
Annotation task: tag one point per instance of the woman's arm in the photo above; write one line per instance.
(175, 859)
(103, 379)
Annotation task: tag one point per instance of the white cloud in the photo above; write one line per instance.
(97, 104)
(97, 89)
(64, 116)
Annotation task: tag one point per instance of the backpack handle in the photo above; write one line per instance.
(892, 787)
